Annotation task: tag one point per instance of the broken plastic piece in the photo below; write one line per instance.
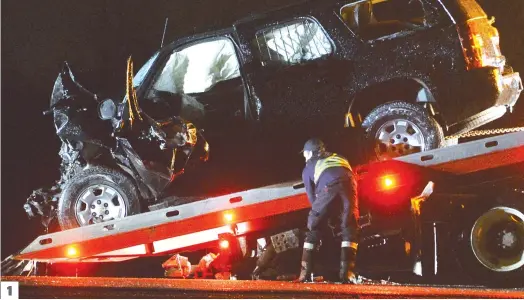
(177, 266)
(203, 270)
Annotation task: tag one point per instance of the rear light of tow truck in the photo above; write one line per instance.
(224, 244)
(388, 182)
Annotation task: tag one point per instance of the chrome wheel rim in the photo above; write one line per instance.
(398, 137)
(497, 239)
(99, 203)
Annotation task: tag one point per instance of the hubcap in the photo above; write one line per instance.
(99, 203)
(497, 239)
(398, 137)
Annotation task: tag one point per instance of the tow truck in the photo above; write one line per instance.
(423, 211)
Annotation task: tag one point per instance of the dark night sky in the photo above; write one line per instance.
(96, 37)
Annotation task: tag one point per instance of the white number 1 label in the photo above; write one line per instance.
(9, 290)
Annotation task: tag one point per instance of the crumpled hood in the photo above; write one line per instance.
(66, 90)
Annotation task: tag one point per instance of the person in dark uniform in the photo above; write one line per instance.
(332, 192)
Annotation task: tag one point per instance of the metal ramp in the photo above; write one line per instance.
(170, 228)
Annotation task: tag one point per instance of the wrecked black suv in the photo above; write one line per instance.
(407, 71)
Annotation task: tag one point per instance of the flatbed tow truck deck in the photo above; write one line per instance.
(198, 225)
(190, 225)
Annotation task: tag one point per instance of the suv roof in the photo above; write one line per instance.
(463, 10)
(285, 8)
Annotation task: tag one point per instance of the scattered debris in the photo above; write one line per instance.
(177, 267)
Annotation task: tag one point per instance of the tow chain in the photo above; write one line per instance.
(474, 133)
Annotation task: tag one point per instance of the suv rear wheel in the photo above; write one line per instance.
(398, 128)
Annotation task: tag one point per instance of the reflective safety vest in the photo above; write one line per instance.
(329, 162)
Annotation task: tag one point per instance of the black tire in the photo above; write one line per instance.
(476, 121)
(419, 122)
(94, 177)
(480, 252)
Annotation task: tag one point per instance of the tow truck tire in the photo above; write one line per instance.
(399, 128)
(491, 244)
(97, 194)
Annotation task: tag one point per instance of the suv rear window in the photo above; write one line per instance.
(384, 18)
(293, 43)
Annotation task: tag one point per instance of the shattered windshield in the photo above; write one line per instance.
(141, 74)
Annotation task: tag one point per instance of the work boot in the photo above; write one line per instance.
(348, 257)
(347, 275)
(264, 261)
(255, 275)
(306, 264)
(305, 272)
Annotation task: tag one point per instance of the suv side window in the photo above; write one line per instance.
(382, 19)
(292, 43)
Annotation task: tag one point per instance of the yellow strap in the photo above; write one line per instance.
(329, 162)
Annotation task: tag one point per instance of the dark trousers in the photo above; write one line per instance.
(335, 206)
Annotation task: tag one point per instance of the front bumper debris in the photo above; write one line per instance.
(43, 202)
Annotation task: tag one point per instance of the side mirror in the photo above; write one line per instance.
(107, 109)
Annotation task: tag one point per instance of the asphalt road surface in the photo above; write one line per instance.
(97, 287)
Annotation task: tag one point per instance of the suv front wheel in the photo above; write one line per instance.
(398, 128)
(96, 195)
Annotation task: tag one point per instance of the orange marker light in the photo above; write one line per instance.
(388, 182)
(71, 251)
(224, 244)
(228, 217)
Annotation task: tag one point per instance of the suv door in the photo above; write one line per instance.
(294, 72)
(217, 87)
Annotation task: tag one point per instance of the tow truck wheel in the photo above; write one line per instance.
(96, 195)
(400, 128)
(493, 245)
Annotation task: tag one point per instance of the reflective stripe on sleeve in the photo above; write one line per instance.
(349, 244)
(309, 246)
